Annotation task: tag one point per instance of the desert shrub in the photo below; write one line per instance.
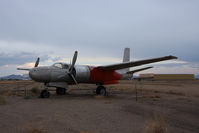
(156, 91)
(155, 125)
(2, 100)
(35, 90)
(27, 97)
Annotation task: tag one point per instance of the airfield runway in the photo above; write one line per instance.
(167, 106)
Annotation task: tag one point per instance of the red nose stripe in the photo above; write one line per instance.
(105, 77)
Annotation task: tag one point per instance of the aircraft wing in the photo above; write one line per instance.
(25, 69)
(135, 63)
(138, 70)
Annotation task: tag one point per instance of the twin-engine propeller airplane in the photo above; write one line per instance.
(60, 75)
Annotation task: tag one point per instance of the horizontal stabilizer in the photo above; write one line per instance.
(135, 63)
(138, 70)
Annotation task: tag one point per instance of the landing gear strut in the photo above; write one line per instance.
(60, 91)
(101, 90)
(45, 94)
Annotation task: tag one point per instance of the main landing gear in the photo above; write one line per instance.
(101, 90)
(46, 94)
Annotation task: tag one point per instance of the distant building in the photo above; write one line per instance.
(147, 76)
(167, 76)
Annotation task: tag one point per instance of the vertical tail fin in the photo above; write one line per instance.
(126, 58)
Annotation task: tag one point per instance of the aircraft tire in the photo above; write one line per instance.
(101, 90)
(45, 94)
(60, 91)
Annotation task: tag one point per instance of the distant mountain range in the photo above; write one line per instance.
(16, 77)
(196, 76)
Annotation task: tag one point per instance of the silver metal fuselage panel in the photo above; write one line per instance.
(40, 74)
(82, 74)
(55, 74)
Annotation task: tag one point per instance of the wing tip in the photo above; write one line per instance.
(172, 57)
(24, 69)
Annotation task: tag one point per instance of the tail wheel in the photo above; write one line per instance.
(101, 90)
(45, 94)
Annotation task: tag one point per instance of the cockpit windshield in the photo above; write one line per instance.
(61, 66)
(58, 65)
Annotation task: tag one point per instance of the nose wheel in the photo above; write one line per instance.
(101, 90)
(45, 94)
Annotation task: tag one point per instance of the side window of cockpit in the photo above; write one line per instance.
(65, 66)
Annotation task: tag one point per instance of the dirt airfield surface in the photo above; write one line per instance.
(161, 107)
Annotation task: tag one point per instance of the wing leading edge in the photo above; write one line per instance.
(135, 63)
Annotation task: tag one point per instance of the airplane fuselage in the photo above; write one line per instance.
(82, 73)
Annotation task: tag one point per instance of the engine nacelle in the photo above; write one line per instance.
(82, 74)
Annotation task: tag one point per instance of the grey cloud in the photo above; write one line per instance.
(103, 28)
(19, 58)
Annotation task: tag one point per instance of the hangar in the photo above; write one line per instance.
(167, 76)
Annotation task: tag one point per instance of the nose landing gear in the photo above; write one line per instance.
(45, 94)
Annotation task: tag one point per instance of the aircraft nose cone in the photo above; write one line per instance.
(33, 74)
(40, 74)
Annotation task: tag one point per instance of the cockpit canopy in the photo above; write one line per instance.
(61, 66)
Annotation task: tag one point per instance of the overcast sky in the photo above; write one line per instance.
(99, 30)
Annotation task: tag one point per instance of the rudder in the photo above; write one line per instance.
(126, 57)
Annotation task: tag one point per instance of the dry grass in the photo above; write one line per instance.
(107, 102)
(84, 132)
(30, 93)
(30, 128)
(175, 93)
(99, 96)
(13, 93)
(153, 97)
(155, 125)
(2, 100)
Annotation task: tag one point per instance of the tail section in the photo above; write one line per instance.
(126, 58)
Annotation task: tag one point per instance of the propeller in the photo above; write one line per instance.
(70, 73)
(73, 62)
(37, 62)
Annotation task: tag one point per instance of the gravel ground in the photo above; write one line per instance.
(81, 111)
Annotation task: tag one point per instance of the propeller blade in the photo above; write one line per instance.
(37, 62)
(70, 72)
(73, 61)
(71, 75)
